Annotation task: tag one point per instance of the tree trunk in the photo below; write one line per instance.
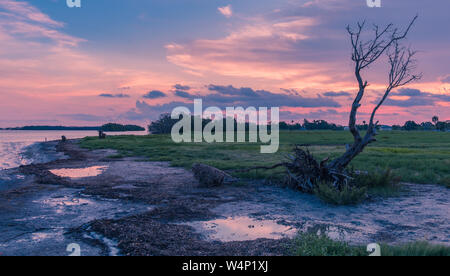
(358, 146)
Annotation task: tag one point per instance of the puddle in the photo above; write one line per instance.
(334, 232)
(41, 236)
(66, 201)
(242, 229)
(422, 214)
(43, 224)
(80, 173)
(61, 203)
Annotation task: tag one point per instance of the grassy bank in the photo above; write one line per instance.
(316, 245)
(418, 157)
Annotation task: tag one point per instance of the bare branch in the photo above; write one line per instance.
(364, 54)
(402, 64)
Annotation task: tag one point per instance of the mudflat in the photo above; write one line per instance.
(112, 205)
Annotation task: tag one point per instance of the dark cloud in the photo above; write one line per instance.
(120, 95)
(230, 90)
(290, 91)
(416, 98)
(245, 96)
(408, 92)
(337, 94)
(144, 111)
(155, 94)
(228, 96)
(182, 87)
(184, 94)
(446, 79)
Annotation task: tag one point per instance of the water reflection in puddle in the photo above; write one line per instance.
(61, 203)
(243, 229)
(66, 201)
(40, 236)
(80, 173)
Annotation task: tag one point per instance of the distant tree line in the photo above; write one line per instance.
(165, 123)
(434, 125)
(111, 127)
(51, 128)
(307, 125)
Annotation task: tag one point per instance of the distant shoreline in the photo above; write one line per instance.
(111, 127)
(69, 130)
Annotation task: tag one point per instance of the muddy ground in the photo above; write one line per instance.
(130, 206)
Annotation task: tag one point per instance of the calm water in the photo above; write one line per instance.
(13, 143)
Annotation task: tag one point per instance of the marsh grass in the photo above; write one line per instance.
(347, 196)
(417, 249)
(311, 244)
(382, 183)
(446, 181)
(416, 157)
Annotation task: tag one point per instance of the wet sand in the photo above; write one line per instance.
(129, 206)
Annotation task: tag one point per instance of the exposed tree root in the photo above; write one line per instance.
(304, 172)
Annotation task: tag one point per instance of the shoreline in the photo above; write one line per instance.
(161, 210)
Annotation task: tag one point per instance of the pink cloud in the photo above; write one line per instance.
(44, 72)
(23, 10)
(295, 52)
(227, 11)
(258, 49)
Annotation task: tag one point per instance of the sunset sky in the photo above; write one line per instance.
(130, 60)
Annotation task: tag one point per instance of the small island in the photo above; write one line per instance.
(110, 127)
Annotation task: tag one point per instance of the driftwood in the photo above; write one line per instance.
(304, 172)
(209, 176)
(262, 167)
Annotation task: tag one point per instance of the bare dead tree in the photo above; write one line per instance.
(304, 172)
(364, 54)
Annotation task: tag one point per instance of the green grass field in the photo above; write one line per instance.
(309, 244)
(417, 157)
